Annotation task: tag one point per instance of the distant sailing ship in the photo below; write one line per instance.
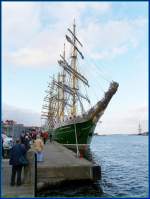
(139, 129)
(63, 108)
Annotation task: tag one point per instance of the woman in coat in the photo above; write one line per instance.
(38, 147)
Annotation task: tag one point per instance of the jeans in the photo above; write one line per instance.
(16, 169)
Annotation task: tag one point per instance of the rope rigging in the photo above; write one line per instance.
(65, 97)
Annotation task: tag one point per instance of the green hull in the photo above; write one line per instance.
(66, 134)
(84, 129)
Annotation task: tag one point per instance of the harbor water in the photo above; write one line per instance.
(124, 165)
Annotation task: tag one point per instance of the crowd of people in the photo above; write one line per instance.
(18, 152)
(28, 137)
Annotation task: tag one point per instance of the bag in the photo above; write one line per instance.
(23, 160)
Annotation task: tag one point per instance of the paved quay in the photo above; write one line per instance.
(26, 189)
(60, 164)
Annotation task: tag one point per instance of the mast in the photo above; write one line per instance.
(140, 129)
(72, 70)
(73, 65)
(63, 93)
(48, 108)
(58, 99)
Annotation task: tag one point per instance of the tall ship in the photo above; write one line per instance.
(64, 111)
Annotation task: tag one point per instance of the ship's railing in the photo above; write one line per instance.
(71, 120)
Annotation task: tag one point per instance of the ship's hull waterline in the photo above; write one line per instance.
(78, 133)
(81, 132)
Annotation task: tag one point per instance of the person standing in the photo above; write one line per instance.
(16, 152)
(39, 146)
(50, 137)
(27, 142)
(45, 136)
(22, 137)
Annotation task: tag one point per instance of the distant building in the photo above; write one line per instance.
(12, 129)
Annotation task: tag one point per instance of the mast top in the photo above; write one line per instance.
(74, 23)
(64, 50)
(140, 129)
(73, 40)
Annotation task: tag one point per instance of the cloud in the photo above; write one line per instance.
(29, 57)
(21, 116)
(138, 114)
(69, 10)
(125, 121)
(36, 32)
(33, 34)
(20, 23)
(109, 39)
(45, 47)
(110, 54)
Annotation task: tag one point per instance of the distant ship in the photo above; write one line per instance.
(139, 129)
(63, 108)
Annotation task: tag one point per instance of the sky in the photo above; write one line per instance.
(115, 45)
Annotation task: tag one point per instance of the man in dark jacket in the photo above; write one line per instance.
(22, 137)
(27, 142)
(16, 152)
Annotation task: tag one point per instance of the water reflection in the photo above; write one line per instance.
(69, 189)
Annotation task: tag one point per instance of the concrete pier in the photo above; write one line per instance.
(60, 164)
(27, 189)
